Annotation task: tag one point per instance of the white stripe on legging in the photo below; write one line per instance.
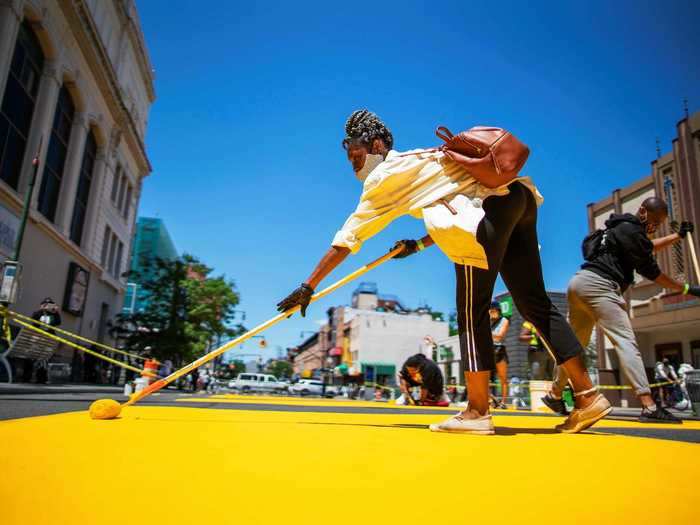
(468, 325)
(471, 317)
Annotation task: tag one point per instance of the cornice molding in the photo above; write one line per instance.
(78, 15)
(137, 41)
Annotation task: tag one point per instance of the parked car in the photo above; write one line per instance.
(305, 387)
(257, 383)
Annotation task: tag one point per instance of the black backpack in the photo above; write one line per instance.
(594, 244)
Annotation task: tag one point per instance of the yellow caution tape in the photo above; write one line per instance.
(461, 388)
(629, 387)
(6, 331)
(4, 311)
(83, 349)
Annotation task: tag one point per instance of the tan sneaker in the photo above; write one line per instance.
(458, 424)
(583, 418)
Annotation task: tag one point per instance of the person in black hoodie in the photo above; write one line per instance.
(420, 371)
(595, 294)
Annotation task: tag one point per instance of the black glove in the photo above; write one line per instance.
(409, 248)
(693, 290)
(685, 229)
(301, 296)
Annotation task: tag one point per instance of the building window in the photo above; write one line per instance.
(115, 183)
(118, 262)
(105, 246)
(127, 203)
(121, 192)
(18, 103)
(83, 194)
(56, 154)
(112, 253)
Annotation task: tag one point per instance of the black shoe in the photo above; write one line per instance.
(555, 405)
(660, 415)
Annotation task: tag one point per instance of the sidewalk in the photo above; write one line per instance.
(79, 388)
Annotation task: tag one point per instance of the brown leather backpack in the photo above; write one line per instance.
(493, 156)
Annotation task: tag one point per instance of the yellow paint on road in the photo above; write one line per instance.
(199, 465)
(301, 401)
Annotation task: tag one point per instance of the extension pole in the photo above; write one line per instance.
(694, 257)
(154, 387)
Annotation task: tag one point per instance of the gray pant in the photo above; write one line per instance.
(594, 299)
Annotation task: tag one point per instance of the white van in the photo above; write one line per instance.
(257, 383)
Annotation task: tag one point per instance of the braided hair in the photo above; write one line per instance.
(362, 127)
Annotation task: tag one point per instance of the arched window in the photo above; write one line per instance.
(18, 103)
(83, 193)
(56, 154)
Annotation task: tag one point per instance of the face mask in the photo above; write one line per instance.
(371, 162)
(649, 228)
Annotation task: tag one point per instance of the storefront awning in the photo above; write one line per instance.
(380, 369)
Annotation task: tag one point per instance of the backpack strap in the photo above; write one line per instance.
(421, 152)
(444, 133)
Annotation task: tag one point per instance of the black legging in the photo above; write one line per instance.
(508, 233)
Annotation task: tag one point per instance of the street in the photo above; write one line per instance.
(238, 458)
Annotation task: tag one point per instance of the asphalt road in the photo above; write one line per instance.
(20, 405)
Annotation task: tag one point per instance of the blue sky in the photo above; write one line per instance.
(244, 137)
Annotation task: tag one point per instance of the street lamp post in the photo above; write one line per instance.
(27, 202)
(11, 269)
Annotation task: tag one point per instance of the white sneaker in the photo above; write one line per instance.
(458, 424)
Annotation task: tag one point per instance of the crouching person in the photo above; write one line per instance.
(419, 371)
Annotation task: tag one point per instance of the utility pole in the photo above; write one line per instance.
(11, 269)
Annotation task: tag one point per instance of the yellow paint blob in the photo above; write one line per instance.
(105, 409)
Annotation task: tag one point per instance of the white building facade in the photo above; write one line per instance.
(380, 342)
(75, 78)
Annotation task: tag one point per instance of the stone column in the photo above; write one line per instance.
(71, 173)
(42, 120)
(10, 19)
(95, 200)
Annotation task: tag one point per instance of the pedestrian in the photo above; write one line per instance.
(452, 390)
(683, 371)
(488, 230)
(419, 371)
(499, 330)
(166, 368)
(666, 374)
(541, 366)
(48, 313)
(202, 380)
(595, 295)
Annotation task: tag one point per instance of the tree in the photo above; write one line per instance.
(452, 322)
(280, 369)
(233, 368)
(187, 312)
